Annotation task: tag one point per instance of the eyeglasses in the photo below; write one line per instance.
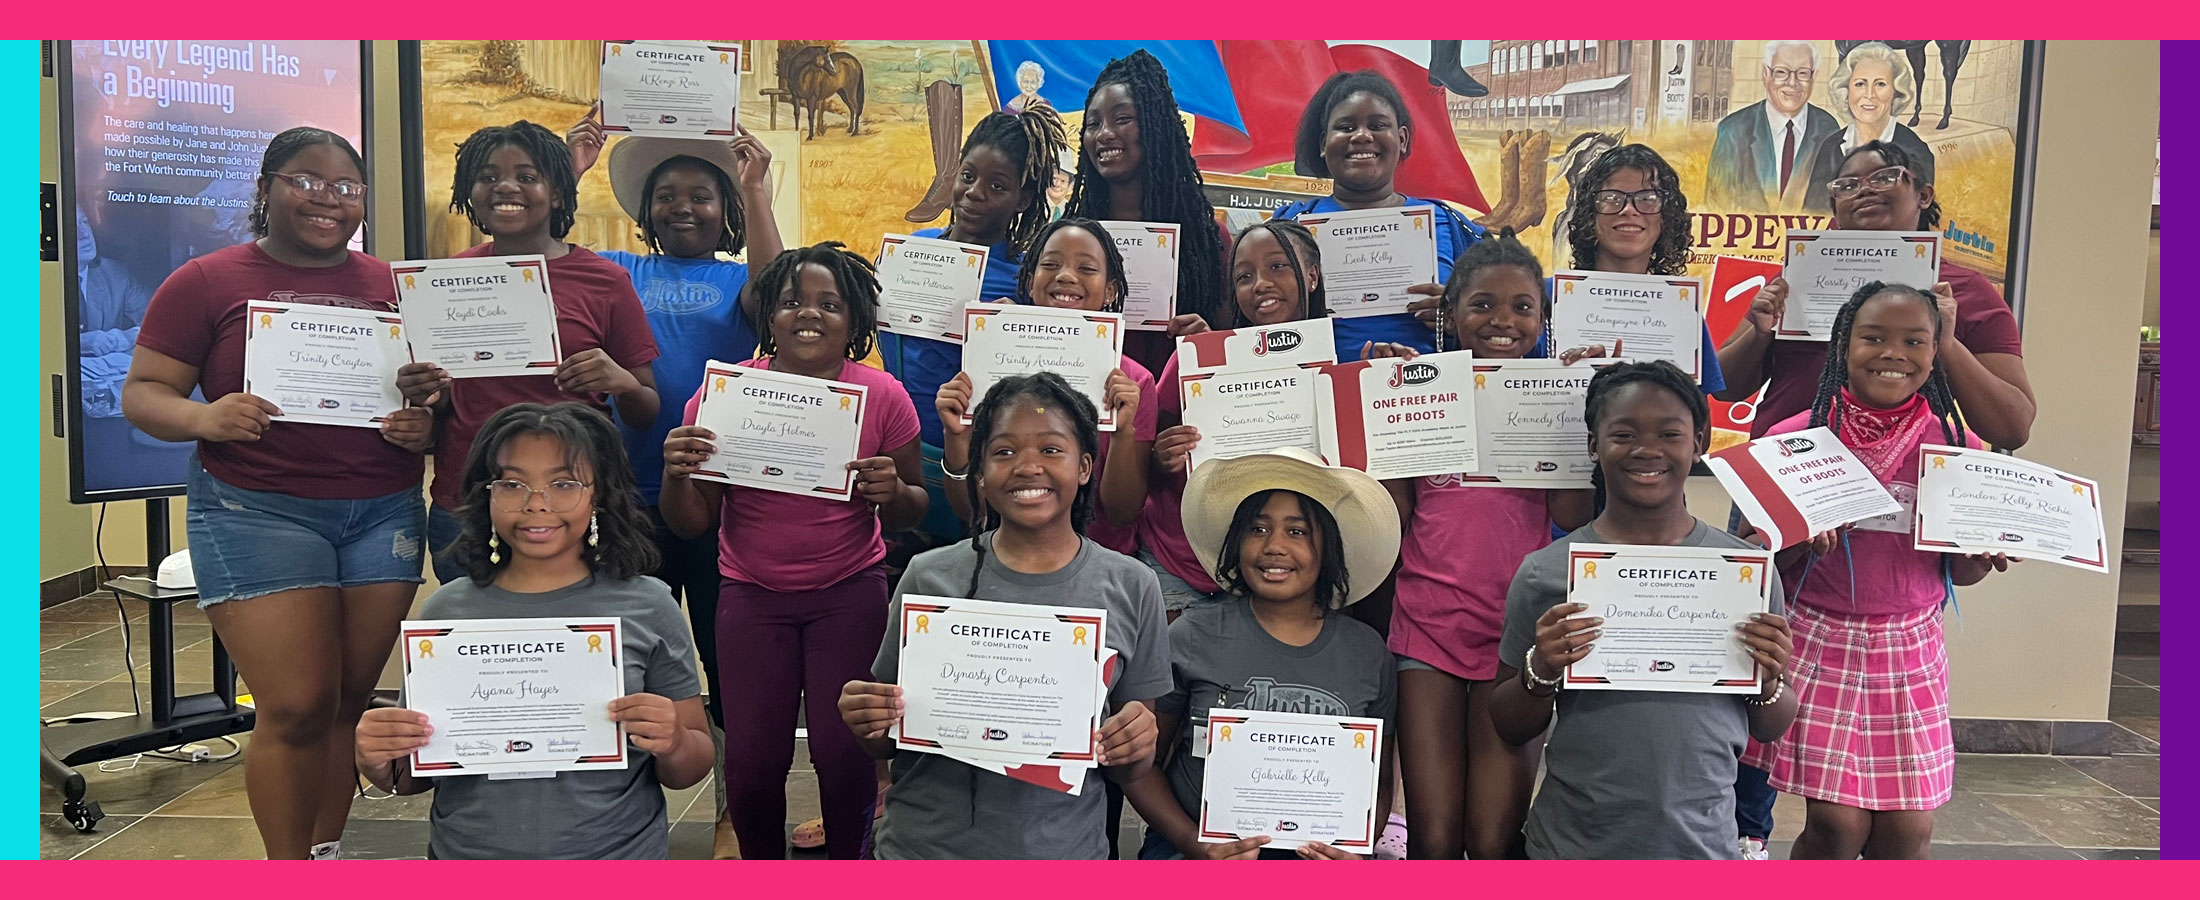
(1883, 180)
(1796, 76)
(1646, 202)
(347, 191)
(560, 496)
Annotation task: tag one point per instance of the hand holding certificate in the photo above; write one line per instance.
(1655, 315)
(1978, 501)
(1149, 252)
(1670, 615)
(510, 696)
(480, 317)
(780, 432)
(1794, 486)
(325, 365)
(684, 89)
(1009, 682)
(1398, 418)
(1006, 339)
(1370, 257)
(925, 283)
(1297, 779)
(1825, 268)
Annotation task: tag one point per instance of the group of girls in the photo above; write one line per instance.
(1224, 586)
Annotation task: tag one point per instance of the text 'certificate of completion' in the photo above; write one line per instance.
(1825, 268)
(1978, 501)
(1149, 263)
(683, 89)
(480, 317)
(925, 283)
(507, 696)
(1004, 680)
(1794, 486)
(1669, 616)
(325, 365)
(1655, 315)
(1530, 413)
(1001, 339)
(1398, 418)
(1370, 257)
(1294, 777)
(1239, 413)
(779, 432)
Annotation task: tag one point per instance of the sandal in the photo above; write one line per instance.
(1392, 843)
(810, 835)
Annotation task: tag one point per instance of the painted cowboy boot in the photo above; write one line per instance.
(1444, 69)
(943, 105)
(1532, 186)
(1508, 179)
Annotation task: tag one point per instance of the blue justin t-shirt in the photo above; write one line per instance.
(694, 308)
(1453, 236)
(923, 364)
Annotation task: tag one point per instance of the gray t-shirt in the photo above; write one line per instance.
(1629, 774)
(576, 815)
(940, 808)
(1222, 657)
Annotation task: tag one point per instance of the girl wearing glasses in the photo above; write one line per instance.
(552, 527)
(304, 568)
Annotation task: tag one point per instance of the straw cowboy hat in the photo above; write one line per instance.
(1367, 519)
(633, 158)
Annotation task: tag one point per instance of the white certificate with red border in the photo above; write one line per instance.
(1979, 501)
(1670, 615)
(1655, 315)
(1308, 342)
(1794, 486)
(325, 365)
(926, 283)
(1531, 427)
(1825, 268)
(1397, 418)
(1370, 257)
(780, 432)
(679, 89)
(1001, 339)
(1150, 262)
(1009, 682)
(515, 696)
(480, 316)
(1294, 777)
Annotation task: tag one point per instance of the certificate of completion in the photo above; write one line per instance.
(1654, 314)
(1530, 423)
(1397, 418)
(1149, 263)
(1669, 616)
(1793, 486)
(1978, 501)
(924, 284)
(1294, 777)
(1009, 339)
(1370, 257)
(1004, 680)
(515, 695)
(325, 365)
(1305, 343)
(1239, 413)
(480, 317)
(684, 89)
(779, 432)
(1824, 269)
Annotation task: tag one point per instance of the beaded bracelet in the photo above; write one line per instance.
(1779, 686)
(1527, 671)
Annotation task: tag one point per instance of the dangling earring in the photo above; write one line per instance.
(592, 529)
(494, 556)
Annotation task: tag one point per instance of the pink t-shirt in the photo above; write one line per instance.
(787, 543)
(1459, 556)
(1161, 526)
(1891, 576)
(1124, 538)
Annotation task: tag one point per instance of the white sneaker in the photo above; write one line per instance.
(1753, 848)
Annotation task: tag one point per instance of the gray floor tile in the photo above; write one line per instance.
(2120, 854)
(152, 784)
(2000, 851)
(385, 839)
(2035, 775)
(2107, 822)
(2138, 777)
(169, 837)
(2126, 701)
(2129, 742)
(58, 839)
(1968, 819)
(2142, 669)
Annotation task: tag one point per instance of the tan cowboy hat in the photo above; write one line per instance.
(633, 158)
(1367, 519)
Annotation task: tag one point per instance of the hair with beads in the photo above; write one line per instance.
(1170, 187)
(1825, 410)
(1300, 250)
(853, 276)
(279, 151)
(1670, 255)
(1032, 140)
(1049, 390)
(549, 154)
(1117, 280)
(624, 547)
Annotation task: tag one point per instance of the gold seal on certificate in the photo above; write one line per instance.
(325, 365)
(1655, 315)
(1399, 418)
(1243, 412)
(1979, 501)
(780, 432)
(1294, 777)
(480, 317)
(1149, 263)
(682, 89)
(1825, 268)
(1008, 681)
(1793, 486)
(925, 283)
(1669, 616)
(1003, 339)
(1370, 257)
(1530, 418)
(511, 696)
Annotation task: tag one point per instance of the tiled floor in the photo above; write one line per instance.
(2005, 807)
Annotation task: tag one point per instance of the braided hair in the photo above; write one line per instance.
(1659, 373)
(853, 275)
(1301, 251)
(1170, 189)
(732, 231)
(1314, 123)
(1050, 390)
(1928, 214)
(1503, 250)
(1116, 277)
(1332, 584)
(279, 151)
(1033, 139)
(544, 148)
(1941, 399)
(1670, 255)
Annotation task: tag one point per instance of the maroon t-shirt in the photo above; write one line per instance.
(198, 318)
(1983, 325)
(597, 307)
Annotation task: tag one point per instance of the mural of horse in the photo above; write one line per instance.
(1952, 54)
(813, 74)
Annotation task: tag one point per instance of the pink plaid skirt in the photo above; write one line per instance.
(1872, 732)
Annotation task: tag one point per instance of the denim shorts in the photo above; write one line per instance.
(1408, 664)
(443, 529)
(1176, 593)
(247, 544)
(940, 523)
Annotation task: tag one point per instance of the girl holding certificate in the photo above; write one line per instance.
(1632, 774)
(1640, 226)
(803, 598)
(1295, 541)
(552, 530)
(1871, 749)
(1036, 440)
(304, 567)
(516, 184)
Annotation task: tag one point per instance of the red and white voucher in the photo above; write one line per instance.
(1793, 486)
(1399, 418)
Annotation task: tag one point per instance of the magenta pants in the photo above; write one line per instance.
(776, 652)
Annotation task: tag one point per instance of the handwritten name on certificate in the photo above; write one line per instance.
(780, 432)
(1397, 418)
(684, 89)
(480, 317)
(325, 365)
(1825, 269)
(1978, 501)
(1793, 486)
(507, 696)
(1370, 257)
(1654, 314)
(1305, 343)
(1149, 263)
(1239, 413)
(1006, 680)
(1006, 339)
(1294, 777)
(1669, 616)
(1529, 413)
(924, 284)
